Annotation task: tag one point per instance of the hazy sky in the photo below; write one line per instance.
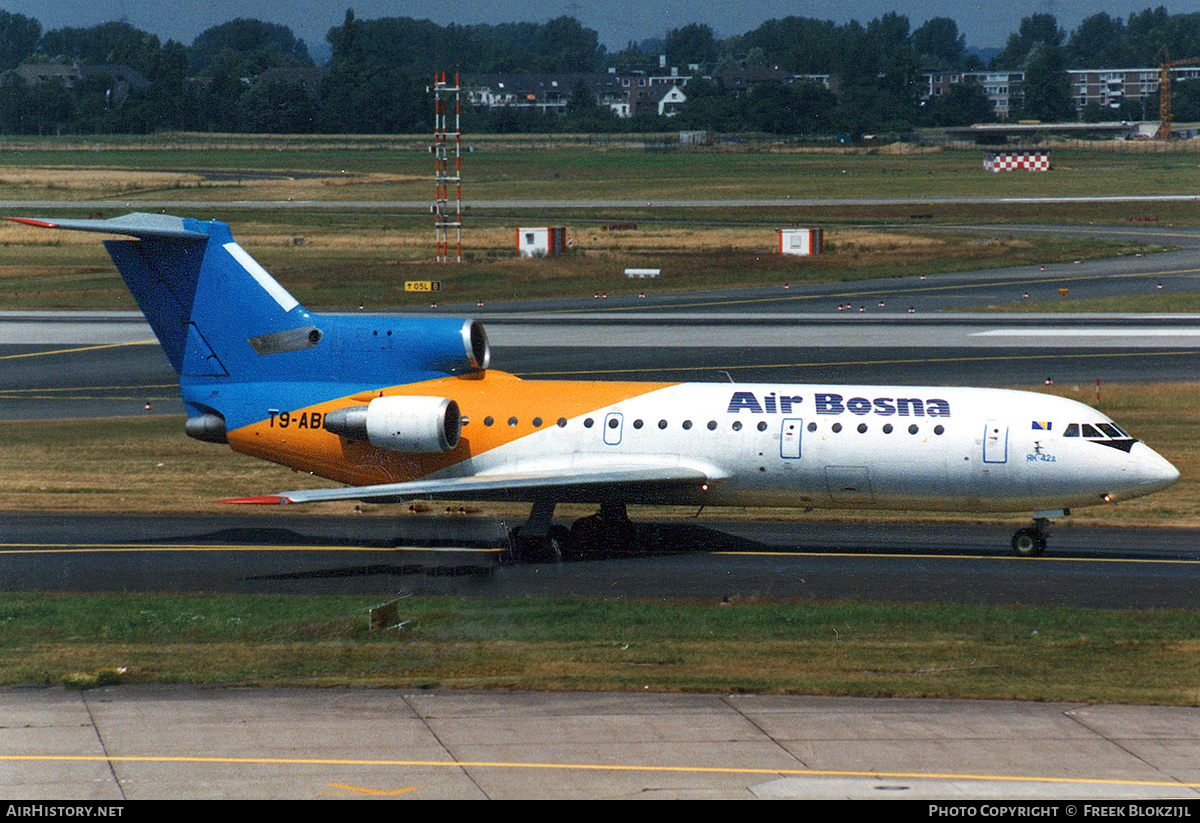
(984, 22)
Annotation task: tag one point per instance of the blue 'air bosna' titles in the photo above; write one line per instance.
(829, 403)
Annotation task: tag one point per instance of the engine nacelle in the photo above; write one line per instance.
(414, 425)
(208, 427)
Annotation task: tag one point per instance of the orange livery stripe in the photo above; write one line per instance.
(295, 438)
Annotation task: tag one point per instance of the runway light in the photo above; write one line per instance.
(704, 487)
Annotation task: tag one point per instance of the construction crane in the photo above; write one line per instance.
(1165, 64)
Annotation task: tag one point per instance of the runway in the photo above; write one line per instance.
(712, 558)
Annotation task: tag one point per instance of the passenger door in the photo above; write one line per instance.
(789, 438)
(995, 442)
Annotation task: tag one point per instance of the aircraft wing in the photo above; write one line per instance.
(576, 483)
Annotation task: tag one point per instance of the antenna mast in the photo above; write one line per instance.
(443, 220)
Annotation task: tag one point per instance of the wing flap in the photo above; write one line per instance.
(568, 482)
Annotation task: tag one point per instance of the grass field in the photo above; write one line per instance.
(341, 256)
(339, 262)
(1182, 302)
(402, 169)
(879, 650)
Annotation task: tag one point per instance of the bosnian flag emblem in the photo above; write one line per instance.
(1041, 426)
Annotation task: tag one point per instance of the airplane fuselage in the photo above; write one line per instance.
(812, 445)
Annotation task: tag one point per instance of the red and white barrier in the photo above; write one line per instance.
(1017, 161)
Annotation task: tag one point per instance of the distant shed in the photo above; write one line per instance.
(1016, 160)
(801, 241)
(544, 241)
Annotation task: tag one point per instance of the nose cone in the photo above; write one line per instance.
(1153, 471)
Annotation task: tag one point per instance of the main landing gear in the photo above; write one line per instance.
(1031, 541)
(538, 539)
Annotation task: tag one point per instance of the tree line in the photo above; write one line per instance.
(378, 71)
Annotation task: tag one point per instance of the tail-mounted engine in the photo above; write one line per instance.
(414, 425)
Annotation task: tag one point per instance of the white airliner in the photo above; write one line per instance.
(407, 407)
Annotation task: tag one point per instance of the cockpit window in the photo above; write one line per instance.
(1109, 434)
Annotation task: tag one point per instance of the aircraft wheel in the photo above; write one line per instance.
(1028, 542)
(621, 537)
(585, 536)
(529, 549)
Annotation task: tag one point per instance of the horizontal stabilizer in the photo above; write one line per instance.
(565, 483)
(133, 225)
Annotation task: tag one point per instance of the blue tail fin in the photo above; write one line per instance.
(202, 294)
(242, 344)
